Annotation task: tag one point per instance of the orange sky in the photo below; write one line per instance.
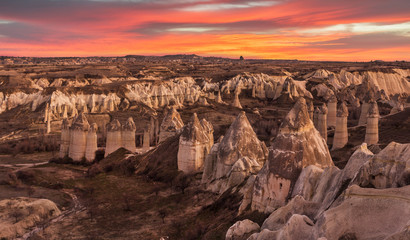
(347, 30)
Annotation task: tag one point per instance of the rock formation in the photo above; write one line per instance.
(194, 145)
(316, 116)
(297, 145)
(372, 127)
(239, 154)
(236, 102)
(368, 98)
(171, 125)
(242, 230)
(311, 109)
(114, 139)
(322, 122)
(219, 98)
(128, 135)
(48, 122)
(65, 138)
(91, 143)
(78, 138)
(332, 110)
(340, 138)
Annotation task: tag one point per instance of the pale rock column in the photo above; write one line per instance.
(128, 135)
(65, 138)
(322, 122)
(114, 140)
(48, 122)
(111, 107)
(65, 115)
(219, 98)
(46, 112)
(91, 143)
(236, 102)
(254, 91)
(85, 109)
(146, 141)
(363, 113)
(341, 135)
(372, 127)
(74, 113)
(155, 102)
(332, 110)
(193, 146)
(78, 139)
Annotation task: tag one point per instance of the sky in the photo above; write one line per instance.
(340, 30)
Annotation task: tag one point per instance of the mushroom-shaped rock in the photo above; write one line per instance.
(340, 138)
(114, 139)
(372, 126)
(78, 138)
(128, 135)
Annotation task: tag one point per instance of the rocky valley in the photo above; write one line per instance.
(190, 147)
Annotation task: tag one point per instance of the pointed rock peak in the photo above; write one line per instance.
(373, 110)
(114, 125)
(207, 125)
(93, 127)
(195, 120)
(194, 131)
(81, 123)
(323, 109)
(297, 118)
(342, 111)
(363, 148)
(129, 125)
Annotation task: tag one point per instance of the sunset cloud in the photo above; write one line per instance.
(286, 29)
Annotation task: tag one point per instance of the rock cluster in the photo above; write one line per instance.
(195, 143)
(297, 145)
(236, 156)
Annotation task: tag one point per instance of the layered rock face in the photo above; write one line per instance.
(372, 127)
(171, 124)
(297, 145)
(332, 111)
(195, 143)
(322, 122)
(128, 135)
(239, 154)
(91, 143)
(114, 139)
(341, 135)
(65, 138)
(78, 138)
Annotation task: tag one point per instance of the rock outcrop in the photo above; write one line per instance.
(171, 125)
(91, 143)
(239, 154)
(114, 139)
(236, 102)
(372, 126)
(65, 138)
(297, 145)
(332, 111)
(242, 230)
(322, 122)
(78, 138)
(340, 138)
(128, 135)
(195, 143)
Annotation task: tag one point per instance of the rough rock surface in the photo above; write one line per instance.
(242, 230)
(19, 214)
(195, 143)
(171, 125)
(372, 126)
(297, 145)
(239, 141)
(128, 135)
(114, 139)
(78, 139)
(91, 143)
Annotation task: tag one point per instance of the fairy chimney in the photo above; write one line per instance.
(114, 140)
(128, 135)
(78, 138)
(341, 136)
(91, 143)
(372, 127)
